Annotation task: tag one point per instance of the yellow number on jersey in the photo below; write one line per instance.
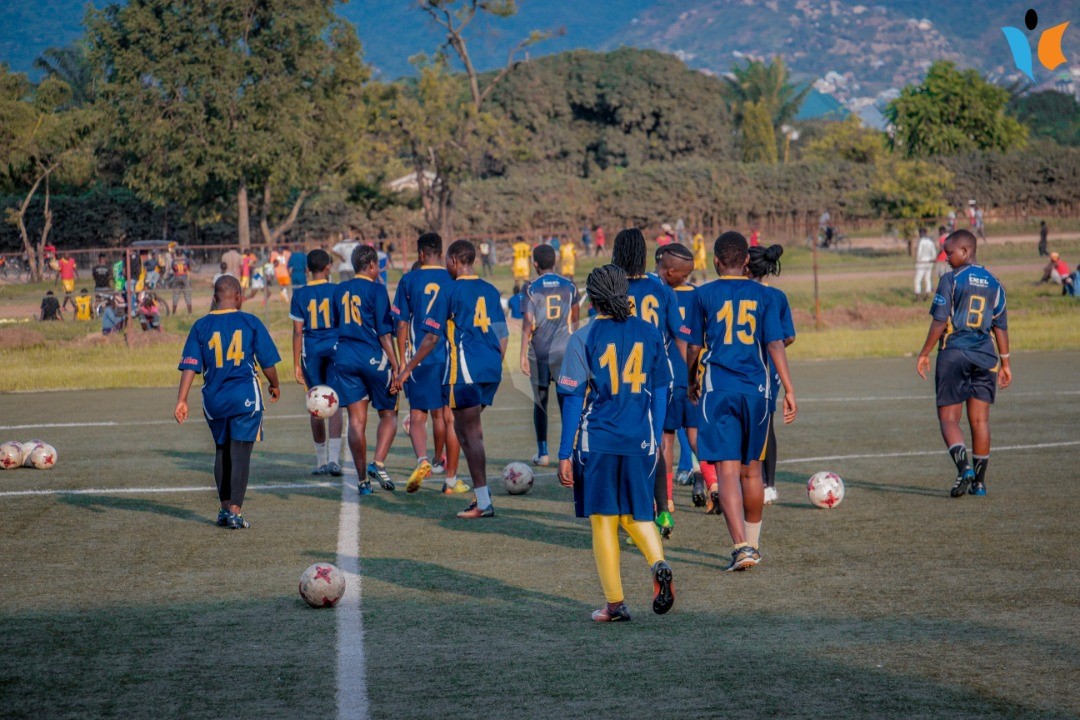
(554, 308)
(234, 353)
(649, 304)
(746, 320)
(480, 317)
(633, 373)
(975, 314)
(350, 308)
(431, 289)
(314, 311)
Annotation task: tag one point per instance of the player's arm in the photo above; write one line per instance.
(388, 347)
(426, 346)
(1001, 336)
(181, 411)
(933, 336)
(779, 358)
(573, 379)
(297, 344)
(401, 336)
(693, 389)
(275, 386)
(526, 338)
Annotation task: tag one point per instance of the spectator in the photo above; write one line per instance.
(67, 275)
(282, 275)
(1057, 271)
(755, 239)
(149, 316)
(680, 231)
(1044, 237)
(297, 264)
(233, 261)
(487, 260)
(150, 266)
(925, 254)
(950, 224)
(941, 262)
(84, 306)
(181, 271)
(666, 236)
(567, 259)
(601, 241)
(112, 317)
(344, 250)
(50, 308)
(980, 229)
(384, 264)
(516, 303)
(223, 269)
(102, 275)
(586, 240)
(554, 242)
(1075, 284)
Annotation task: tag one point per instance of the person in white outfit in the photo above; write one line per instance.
(925, 253)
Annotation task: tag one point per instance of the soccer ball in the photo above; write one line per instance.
(43, 457)
(825, 489)
(322, 585)
(322, 401)
(28, 447)
(10, 455)
(518, 478)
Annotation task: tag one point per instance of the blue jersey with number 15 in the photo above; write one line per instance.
(225, 347)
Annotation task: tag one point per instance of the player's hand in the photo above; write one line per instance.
(525, 366)
(1004, 376)
(181, 411)
(298, 373)
(791, 408)
(566, 473)
(402, 378)
(275, 393)
(693, 392)
(923, 366)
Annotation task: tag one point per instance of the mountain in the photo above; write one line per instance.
(868, 47)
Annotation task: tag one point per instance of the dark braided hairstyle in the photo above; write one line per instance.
(607, 286)
(764, 261)
(628, 252)
(675, 250)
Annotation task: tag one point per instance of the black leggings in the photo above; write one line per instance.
(540, 413)
(232, 462)
(768, 467)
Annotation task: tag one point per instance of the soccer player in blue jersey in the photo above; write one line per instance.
(614, 383)
(655, 303)
(416, 295)
(225, 347)
(968, 308)
(469, 318)
(551, 312)
(764, 262)
(313, 343)
(365, 363)
(737, 320)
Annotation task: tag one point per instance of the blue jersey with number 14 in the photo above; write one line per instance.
(225, 347)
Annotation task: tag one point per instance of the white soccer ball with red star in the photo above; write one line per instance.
(28, 447)
(10, 455)
(517, 478)
(322, 585)
(322, 401)
(43, 457)
(825, 490)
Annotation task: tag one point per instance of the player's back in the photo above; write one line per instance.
(625, 361)
(225, 347)
(549, 301)
(684, 296)
(474, 331)
(734, 319)
(652, 300)
(972, 301)
(361, 316)
(313, 305)
(416, 295)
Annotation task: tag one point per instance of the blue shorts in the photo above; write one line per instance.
(614, 485)
(681, 413)
(732, 426)
(316, 368)
(354, 384)
(959, 379)
(466, 395)
(244, 428)
(424, 388)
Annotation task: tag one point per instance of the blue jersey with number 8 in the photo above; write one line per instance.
(972, 302)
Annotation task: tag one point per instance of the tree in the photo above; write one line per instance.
(910, 190)
(72, 65)
(443, 128)
(759, 140)
(847, 140)
(1049, 114)
(952, 111)
(766, 84)
(212, 97)
(38, 140)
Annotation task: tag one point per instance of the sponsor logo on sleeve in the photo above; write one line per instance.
(939, 300)
(432, 323)
(190, 361)
(568, 382)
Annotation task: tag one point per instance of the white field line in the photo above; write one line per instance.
(352, 696)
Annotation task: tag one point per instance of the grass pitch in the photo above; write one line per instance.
(901, 602)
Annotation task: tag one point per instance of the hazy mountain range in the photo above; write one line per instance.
(881, 45)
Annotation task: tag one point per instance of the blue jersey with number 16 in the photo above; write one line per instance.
(361, 316)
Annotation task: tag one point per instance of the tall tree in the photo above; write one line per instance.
(952, 111)
(217, 98)
(40, 137)
(767, 84)
(72, 65)
(758, 138)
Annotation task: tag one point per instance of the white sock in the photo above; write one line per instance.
(335, 450)
(451, 481)
(483, 497)
(421, 459)
(753, 533)
(320, 454)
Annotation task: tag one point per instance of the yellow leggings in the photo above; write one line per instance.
(605, 540)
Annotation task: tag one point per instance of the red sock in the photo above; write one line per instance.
(670, 494)
(708, 473)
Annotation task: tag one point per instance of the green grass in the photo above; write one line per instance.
(899, 603)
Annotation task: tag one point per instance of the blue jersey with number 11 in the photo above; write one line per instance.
(225, 347)
(312, 305)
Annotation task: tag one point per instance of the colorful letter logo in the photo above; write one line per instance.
(1050, 54)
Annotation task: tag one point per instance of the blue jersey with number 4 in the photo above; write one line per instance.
(361, 316)
(735, 319)
(313, 305)
(416, 295)
(616, 366)
(470, 316)
(684, 294)
(972, 301)
(225, 346)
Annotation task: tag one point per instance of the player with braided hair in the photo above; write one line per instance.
(762, 263)
(615, 368)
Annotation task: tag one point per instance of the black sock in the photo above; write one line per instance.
(540, 416)
(960, 457)
(240, 452)
(222, 472)
(980, 467)
(768, 468)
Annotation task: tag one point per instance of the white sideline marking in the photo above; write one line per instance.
(927, 398)
(914, 453)
(352, 696)
(113, 423)
(160, 490)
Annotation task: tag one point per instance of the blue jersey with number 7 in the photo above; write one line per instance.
(225, 346)
(972, 302)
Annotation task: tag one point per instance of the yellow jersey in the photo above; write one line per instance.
(522, 253)
(699, 252)
(568, 257)
(82, 307)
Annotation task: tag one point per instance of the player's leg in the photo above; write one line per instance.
(318, 439)
(385, 404)
(978, 412)
(768, 466)
(753, 492)
(175, 296)
(605, 540)
(949, 420)
(357, 413)
(953, 381)
(470, 433)
(541, 391)
(686, 457)
(729, 482)
(451, 458)
(222, 468)
(333, 444)
(187, 293)
(240, 462)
